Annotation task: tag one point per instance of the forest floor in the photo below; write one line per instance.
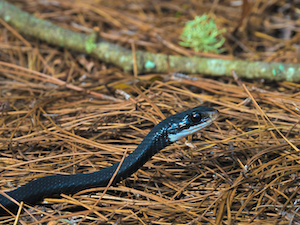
(56, 119)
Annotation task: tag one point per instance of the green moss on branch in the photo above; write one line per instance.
(119, 56)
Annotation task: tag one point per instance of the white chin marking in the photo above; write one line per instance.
(187, 132)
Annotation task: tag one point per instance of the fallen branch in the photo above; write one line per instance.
(146, 62)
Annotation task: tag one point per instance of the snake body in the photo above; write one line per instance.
(166, 132)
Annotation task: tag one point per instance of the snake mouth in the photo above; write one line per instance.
(210, 117)
(214, 115)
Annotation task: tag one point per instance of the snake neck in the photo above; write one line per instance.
(156, 140)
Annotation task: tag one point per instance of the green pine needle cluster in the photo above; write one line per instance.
(203, 35)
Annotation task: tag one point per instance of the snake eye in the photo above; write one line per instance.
(195, 117)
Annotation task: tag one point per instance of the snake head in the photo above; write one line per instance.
(189, 122)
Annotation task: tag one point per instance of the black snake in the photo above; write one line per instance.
(166, 132)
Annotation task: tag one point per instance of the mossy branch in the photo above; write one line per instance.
(146, 62)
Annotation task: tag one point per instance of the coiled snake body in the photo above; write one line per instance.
(166, 132)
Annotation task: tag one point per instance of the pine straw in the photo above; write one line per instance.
(244, 168)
